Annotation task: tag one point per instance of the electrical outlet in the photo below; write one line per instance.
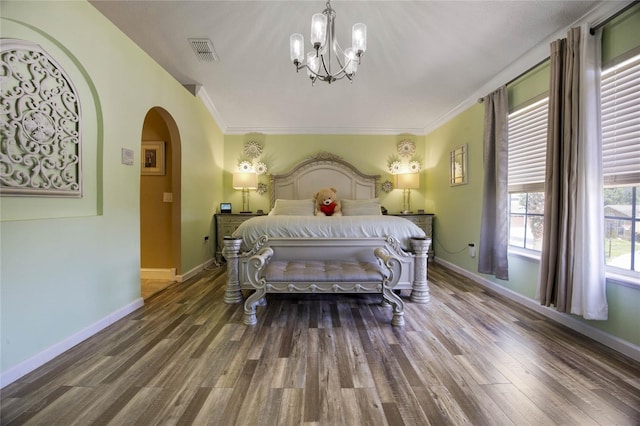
(472, 249)
(206, 239)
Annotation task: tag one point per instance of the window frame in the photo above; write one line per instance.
(527, 183)
(622, 70)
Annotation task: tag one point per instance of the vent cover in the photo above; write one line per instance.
(204, 49)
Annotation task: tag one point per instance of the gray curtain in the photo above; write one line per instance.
(572, 259)
(494, 227)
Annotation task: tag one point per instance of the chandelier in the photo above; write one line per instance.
(325, 46)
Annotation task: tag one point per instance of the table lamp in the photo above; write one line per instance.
(407, 182)
(245, 181)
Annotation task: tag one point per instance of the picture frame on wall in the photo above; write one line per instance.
(152, 158)
(458, 166)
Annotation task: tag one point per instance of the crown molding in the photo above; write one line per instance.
(211, 107)
(533, 56)
(322, 130)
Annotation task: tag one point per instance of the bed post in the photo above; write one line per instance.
(232, 293)
(420, 291)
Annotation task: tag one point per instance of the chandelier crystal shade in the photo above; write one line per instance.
(327, 55)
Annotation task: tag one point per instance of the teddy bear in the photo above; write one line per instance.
(326, 203)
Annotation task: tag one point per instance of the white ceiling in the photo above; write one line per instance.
(425, 59)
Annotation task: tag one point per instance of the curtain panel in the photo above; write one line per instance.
(572, 259)
(494, 226)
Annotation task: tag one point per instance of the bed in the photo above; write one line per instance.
(290, 233)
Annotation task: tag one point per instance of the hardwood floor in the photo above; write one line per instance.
(466, 357)
(149, 287)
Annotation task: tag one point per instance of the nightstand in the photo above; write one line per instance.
(225, 224)
(425, 222)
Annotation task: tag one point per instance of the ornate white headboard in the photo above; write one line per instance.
(323, 170)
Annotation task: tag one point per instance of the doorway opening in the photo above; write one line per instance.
(160, 213)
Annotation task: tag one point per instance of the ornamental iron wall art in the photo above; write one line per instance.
(40, 140)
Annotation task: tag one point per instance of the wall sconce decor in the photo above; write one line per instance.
(245, 181)
(458, 166)
(387, 186)
(407, 182)
(252, 149)
(406, 148)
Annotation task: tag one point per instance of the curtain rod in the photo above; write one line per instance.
(595, 28)
(592, 31)
(481, 100)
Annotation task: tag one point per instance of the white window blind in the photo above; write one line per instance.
(621, 123)
(528, 147)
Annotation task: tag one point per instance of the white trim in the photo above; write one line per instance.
(158, 274)
(624, 278)
(208, 103)
(196, 270)
(525, 61)
(615, 343)
(17, 371)
(599, 13)
(323, 130)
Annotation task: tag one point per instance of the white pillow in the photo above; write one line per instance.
(369, 207)
(284, 207)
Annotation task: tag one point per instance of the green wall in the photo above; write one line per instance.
(369, 153)
(457, 223)
(457, 208)
(621, 35)
(67, 265)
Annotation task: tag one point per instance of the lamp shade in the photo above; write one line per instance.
(408, 181)
(350, 60)
(359, 38)
(313, 64)
(296, 47)
(245, 180)
(318, 30)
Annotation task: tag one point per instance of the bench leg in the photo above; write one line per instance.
(257, 298)
(255, 272)
(397, 305)
(390, 280)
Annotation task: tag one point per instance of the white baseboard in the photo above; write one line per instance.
(158, 274)
(615, 343)
(195, 271)
(14, 373)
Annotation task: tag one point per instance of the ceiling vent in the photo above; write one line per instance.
(204, 49)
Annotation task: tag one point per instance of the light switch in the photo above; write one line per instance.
(167, 197)
(126, 156)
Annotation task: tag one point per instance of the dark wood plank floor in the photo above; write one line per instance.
(467, 357)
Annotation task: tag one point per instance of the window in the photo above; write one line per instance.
(622, 227)
(527, 154)
(620, 95)
(526, 216)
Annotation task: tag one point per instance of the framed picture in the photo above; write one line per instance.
(458, 166)
(152, 158)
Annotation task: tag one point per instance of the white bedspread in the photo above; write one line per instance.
(328, 227)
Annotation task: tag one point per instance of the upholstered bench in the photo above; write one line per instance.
(323, 276)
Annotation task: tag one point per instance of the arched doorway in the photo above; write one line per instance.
(160, 213)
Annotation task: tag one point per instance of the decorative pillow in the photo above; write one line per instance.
(284, 207)
(369, 207)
